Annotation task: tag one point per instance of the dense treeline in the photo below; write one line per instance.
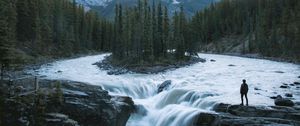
(145, 33)
(272, 27)
(49, 28)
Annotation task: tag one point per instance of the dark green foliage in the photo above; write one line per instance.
(57, 96)
(40, 108)
(143, 34)
(272, 26)
(54, 28)
(7, 32)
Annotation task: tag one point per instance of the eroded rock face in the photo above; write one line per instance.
(74, 104)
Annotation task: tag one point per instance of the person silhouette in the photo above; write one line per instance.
(244, 91)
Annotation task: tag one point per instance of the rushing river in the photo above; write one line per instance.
(196, 88)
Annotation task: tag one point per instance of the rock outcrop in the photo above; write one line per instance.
(237, 115)
(164, 86)
(66, 103)
(279, 101)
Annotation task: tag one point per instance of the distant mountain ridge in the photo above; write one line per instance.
(106, 7)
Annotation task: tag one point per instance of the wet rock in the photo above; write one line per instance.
(297, 83)
(298, 76)
(207, 119)
(278, 71)
(117, 71)
(273, 97)
(126, 107)
(95, 105)
(69, 104)
(289, 95)
(164, 86)
(224, 119)
(59, 71)
(292, 84)
(250, 115)
(212, 60)
(279, 101)
(231, 65)
(221, 107)
(256, 88)
(284, 86)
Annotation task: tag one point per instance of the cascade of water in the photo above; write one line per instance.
(194, 88)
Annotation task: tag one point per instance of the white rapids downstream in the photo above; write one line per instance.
(195, 88)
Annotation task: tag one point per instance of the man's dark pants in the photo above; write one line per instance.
(242, 95)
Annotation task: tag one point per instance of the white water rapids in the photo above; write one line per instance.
(194, 89)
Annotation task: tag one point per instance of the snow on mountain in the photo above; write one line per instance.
(93, 2)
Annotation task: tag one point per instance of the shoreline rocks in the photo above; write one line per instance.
(280, 101)
(237, 115)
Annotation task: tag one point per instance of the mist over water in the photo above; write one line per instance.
(195, 89)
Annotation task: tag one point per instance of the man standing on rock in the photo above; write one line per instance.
(244, 91)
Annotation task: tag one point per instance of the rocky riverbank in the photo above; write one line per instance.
(117, 69)
(61, 103)
(284, 112)
(237, 115)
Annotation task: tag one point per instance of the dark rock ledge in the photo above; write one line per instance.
(62, 103)
(237, 115)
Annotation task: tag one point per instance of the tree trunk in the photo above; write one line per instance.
(2, 71)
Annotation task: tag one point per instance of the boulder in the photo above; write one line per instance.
(278, 71)
(256, 88)
(125, 107)
(284, 86)
(59, 71)
(212, 60)
(289, 95)
(279, 101)
(231, 65)
(297, 83)
(164, 86)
